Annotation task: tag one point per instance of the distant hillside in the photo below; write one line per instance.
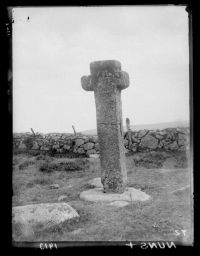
(159, 126)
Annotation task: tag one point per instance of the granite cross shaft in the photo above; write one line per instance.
(107, 80)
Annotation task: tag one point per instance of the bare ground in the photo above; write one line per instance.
(159, 174)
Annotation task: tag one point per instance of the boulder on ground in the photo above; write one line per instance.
(46, 214)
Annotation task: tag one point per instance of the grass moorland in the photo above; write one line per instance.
(158, 174)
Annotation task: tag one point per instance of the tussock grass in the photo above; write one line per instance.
(80, 164)
(25, 164)
(45, 158)
(15, 161)
(156, 159)
(42, 181)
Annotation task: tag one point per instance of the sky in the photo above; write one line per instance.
(54, 46)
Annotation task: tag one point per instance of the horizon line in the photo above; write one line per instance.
(178, 121)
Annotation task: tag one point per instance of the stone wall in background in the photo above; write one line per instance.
(139, 141)
(166, 139)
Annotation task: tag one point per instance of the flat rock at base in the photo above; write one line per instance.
(48, 214)
(96, 182)
(119, 203)
(130, 194)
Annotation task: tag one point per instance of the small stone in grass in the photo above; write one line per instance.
(94, 156)
(60, 198)
(54, 186)
(119, 203)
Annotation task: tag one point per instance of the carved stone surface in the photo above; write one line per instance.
(107, 80)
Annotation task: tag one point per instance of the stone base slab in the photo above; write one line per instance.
(130, 195)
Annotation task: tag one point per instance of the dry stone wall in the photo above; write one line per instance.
(140, 141)
(148, 140)
(56, 143)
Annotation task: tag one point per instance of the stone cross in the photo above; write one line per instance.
(107, 80)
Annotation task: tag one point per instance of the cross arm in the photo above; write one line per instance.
(123, 80)
(87, 84)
